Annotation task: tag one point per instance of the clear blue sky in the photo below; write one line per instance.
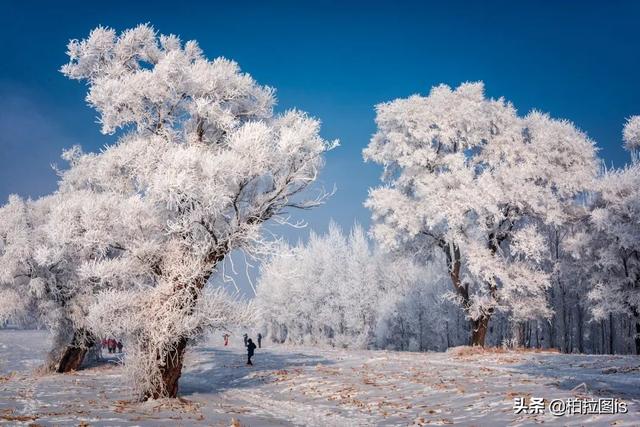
(578, 60)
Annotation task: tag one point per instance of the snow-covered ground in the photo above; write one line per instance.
(311, 386)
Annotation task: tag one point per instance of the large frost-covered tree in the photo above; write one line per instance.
(48, 248)
(209, 159)
(38, 277)
(609, 247)
(469, 180)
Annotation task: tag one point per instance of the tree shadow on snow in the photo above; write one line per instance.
(609, 378)
(223, 369)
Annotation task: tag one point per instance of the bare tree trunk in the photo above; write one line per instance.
(611, 347)
(171, 371)
(479, 326)
(565, 320)
(75, 352)
(626, 323)
(580, 328)
(570, 347)
(420, 316)
(479, 329)
(446, 325)
(554, 322)
(171, 364)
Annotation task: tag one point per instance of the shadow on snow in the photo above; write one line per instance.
(222, 369)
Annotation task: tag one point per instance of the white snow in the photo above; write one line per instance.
(317, 386)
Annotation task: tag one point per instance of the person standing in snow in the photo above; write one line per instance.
(119, 344)
(245, 337)
(250, 349)
(259, 340)
(226, 339)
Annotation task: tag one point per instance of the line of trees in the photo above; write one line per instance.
(336, 290)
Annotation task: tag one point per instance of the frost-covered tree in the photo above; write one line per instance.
(616, 219)
(38, 277)
(417, 317)
(211, 162)
(331, 290)
(48, 251)
(609, 247)
(18, 270)
(631, 135)
(469, 180)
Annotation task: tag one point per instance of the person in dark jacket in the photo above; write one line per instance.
(259, 340)
(250, 349)
(119, 345)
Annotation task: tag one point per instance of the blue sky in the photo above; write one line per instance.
(336, 60)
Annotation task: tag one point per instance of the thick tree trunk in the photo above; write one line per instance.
(171, 369)
(75, 352)
(480, 326)
(479, 329)
(171, 364)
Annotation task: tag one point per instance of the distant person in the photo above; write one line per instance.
(245, 337)
(226, 339)
(119, 345)
(250, 349)
(259, 340)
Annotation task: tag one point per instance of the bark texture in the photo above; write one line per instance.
(74, 354)
(171, 363)
(480, 326)
(479, 329)
(171, 371)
